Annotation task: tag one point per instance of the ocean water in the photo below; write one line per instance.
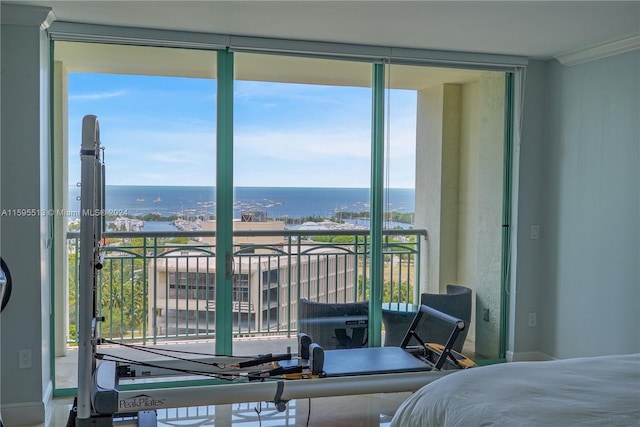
(277, 202)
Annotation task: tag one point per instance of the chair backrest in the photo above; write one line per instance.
(457, 303)
(334, 325)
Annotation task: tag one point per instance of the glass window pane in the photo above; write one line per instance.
(157, 109)
(457, 124)
(302, 162)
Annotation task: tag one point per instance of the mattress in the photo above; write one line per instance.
(590, 391)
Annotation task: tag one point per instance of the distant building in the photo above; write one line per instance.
(128, 224)
(269, 276)
(249, 226)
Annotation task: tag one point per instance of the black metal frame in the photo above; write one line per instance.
(458, 326)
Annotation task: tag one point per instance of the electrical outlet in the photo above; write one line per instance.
(533, 319)
(25, 359)
(535, 232)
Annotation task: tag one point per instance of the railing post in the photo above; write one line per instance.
(76, 286)
(289, 294)
(416, 268)
(145, 292)
(155, 290)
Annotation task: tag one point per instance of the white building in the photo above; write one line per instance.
(270, 276)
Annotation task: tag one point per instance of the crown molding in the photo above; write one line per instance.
(603, 50)
(17, 14)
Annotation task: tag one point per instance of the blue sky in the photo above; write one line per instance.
(162, 130)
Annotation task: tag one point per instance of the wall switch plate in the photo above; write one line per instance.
(25, 359)
(535, 232)
(533, 319)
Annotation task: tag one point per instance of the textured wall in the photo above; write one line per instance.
(591, 286)
(480, 199)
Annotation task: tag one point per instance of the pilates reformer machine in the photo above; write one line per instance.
(110, 387)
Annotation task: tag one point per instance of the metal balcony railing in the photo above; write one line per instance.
(161, 285)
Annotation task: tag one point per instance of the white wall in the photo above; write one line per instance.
(526, 283)
(437, 170)
(25, 240)
(590, 282)
(459, 164)
(579, 180)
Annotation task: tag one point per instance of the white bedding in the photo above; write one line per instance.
(594, 391)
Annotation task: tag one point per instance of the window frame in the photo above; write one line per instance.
(225, 45)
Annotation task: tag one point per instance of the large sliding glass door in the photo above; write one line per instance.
(452, 122)
(280, 177)
(156, 107)
(301, 164)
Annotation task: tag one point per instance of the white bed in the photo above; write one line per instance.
(588, 391)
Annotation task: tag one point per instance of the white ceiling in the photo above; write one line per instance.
(536, 29)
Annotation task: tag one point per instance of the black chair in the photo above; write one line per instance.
(396, 321)
(456, 303)
(444, 353)
(334, 325)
